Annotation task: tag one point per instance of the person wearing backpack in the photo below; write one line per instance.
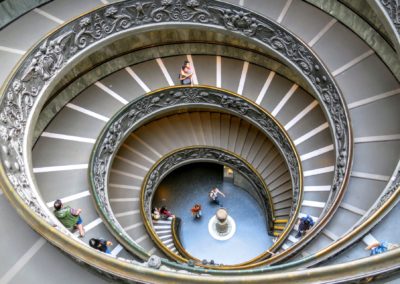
(69, 217)
(101, 245)
(305, 224)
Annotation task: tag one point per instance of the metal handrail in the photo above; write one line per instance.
(220, 156)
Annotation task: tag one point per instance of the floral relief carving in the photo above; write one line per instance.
(48, 59)
(140, 11)
(392, 7)
(394, 186)
(180, 10)
(52, 54)
(240, 21)
(195, 154)
(136, 111)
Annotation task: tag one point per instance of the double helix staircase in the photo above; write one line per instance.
(61, 152)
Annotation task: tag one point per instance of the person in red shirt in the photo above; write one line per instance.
(196, 211)
(165, 213)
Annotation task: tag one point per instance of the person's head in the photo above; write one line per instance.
(154, 210)
(94, 243)
(197, 206)
(307, 222)
(163, 208)
(186, 65)
(58, 204)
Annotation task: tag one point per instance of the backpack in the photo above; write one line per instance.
(309, 220)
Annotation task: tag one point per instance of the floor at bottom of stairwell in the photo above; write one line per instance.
(190, 184)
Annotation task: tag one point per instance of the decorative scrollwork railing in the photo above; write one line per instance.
(194, 154)
(54, 53)
(392, 8)
(39, 71)
(143, 109)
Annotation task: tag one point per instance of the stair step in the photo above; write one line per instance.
(162, 227)
(281, 221)
(164, 232)
(279, 227)
(292, 239)
(165, 237)
(162, 222)
(167, 241)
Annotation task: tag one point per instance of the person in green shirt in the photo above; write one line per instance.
(69, 217)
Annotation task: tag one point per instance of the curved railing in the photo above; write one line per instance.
(389, 12)
(388, 199)
(171, 161)
(353, 19)
(182, 156)
(175, 232)
(154, 104)
(32, 81)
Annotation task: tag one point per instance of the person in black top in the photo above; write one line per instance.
(101, 245)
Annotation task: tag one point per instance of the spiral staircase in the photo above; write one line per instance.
(305, 93)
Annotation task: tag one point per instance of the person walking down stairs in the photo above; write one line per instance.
(69, 217)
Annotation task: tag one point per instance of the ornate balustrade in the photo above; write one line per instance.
(145, 108)
(43, 67)
(195, 154)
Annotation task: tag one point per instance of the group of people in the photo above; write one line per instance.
(306, 223)
(214, 197)
(161, 213)
(164, 213)
(71, 219)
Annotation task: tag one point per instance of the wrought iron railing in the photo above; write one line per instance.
(195, 154)
(31, 83)
(143, 109)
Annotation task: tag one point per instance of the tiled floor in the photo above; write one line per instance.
(191, 184)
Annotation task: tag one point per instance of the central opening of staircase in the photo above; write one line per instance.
(191, 184)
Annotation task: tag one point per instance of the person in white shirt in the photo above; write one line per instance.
(214, 195)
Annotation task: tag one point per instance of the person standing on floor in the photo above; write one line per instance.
(196, 211)
(69, 217)
(214, 195)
